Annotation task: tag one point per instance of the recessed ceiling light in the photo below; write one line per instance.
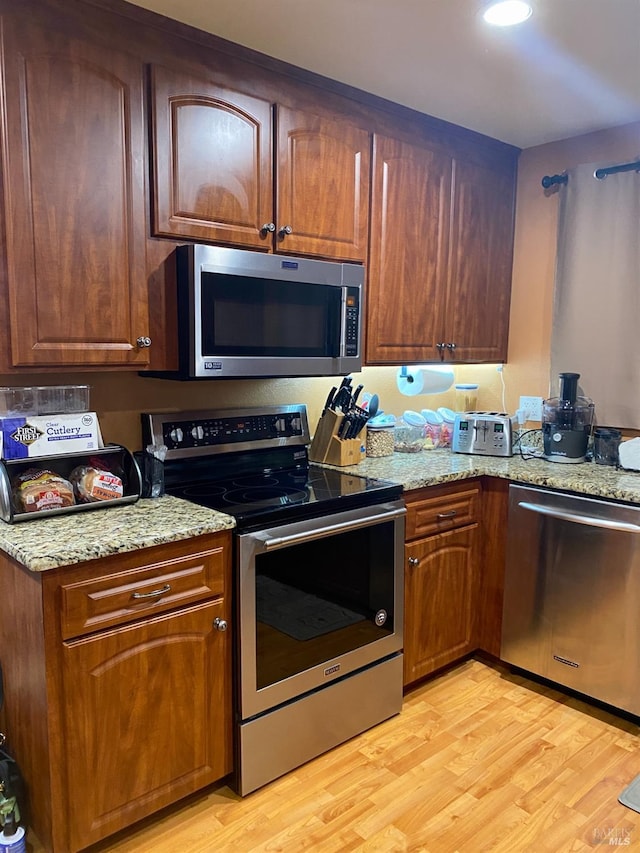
(507, 13)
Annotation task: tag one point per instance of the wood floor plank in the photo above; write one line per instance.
(480, 759)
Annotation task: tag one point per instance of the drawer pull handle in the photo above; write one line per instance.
(154, 592)
(445, 515)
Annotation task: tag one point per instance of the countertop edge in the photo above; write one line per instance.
(65, 540)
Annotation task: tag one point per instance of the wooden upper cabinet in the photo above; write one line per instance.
(440, 258)
(72, 149)
(214, 180)
(479, 287)
(408, 254)
(212, 161)
(322, 185)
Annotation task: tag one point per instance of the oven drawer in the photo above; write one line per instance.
(119, 597)
(444, 509)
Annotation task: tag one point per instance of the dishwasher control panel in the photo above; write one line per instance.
(484, 433)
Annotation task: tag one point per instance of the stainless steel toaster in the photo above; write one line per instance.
(484, 433)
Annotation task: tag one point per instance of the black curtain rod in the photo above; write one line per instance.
(600, 174)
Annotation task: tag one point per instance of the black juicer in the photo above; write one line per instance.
(567, 422)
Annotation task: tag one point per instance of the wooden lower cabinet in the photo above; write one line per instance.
(495, 502)
(443, 576)
(440, 587)
(112, 724)
(454, 573)
(144, 705)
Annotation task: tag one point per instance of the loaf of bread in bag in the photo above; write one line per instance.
(40, 489)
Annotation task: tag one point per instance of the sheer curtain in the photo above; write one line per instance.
(596, 321)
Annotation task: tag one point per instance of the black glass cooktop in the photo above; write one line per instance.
(278, 496)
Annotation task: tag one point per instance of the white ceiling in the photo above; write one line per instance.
(573, 67)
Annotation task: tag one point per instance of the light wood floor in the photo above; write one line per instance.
(478, 760)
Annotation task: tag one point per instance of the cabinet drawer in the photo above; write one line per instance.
(444, 510)
(120, 597)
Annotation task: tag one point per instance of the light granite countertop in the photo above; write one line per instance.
(430, 468)
(47, 543)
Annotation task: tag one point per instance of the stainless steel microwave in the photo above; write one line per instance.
(243, 314)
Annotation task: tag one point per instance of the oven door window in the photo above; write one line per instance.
(319, 600)
(244, 316)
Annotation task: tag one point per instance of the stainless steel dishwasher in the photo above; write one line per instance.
(572, 593)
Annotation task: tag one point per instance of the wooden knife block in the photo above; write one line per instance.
(327, 447)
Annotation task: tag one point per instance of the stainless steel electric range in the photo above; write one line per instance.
(318, 581)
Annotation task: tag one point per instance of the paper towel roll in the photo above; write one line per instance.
(412, 381)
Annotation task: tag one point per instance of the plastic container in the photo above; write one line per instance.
(62, 399)
(380, 441)
(448, 421)
(12, 839)
(18, 402)
(605, 445)
(466, 397)
(433, 430)
(409, 433)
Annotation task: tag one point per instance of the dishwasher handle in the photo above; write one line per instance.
(578, 518)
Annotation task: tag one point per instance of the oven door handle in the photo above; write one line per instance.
(272, 543)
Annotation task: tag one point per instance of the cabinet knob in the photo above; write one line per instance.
(451, 347)
(268, 228)
(440, 346)
(282, 232)
(143, 341)
(220, 624)
(413, 561)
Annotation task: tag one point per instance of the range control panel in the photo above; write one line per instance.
(484, 433)
(209, 432)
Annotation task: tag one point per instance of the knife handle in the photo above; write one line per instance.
(343, 428)
(330, 398)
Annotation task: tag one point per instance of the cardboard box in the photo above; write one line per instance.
(49, 435)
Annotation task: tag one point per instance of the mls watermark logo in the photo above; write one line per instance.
(614, 836)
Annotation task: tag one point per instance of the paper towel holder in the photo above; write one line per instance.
(407, 373)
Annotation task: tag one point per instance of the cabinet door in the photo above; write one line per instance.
(408, 254)
(73, 158)
(479, 288)
(322, 185)
(440, 591)
(147, 718)
(212, 162)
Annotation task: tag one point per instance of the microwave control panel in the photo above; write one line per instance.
(352, 321)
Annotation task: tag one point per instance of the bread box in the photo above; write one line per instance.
(100, 478)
